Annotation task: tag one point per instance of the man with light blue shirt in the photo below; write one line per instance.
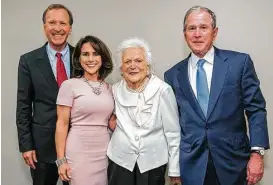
(214, 91)
(40, 74)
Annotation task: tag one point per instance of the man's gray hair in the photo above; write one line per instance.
(200, 8)
(134, 42)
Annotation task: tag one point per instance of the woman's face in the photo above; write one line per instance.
(134, 65)
(90, 60)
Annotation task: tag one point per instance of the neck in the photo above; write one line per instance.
(92, 77)
(57, 48)
(137, 84)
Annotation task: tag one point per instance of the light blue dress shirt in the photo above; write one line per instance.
(53, 59)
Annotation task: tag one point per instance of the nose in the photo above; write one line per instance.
(91, 58)
(133, 65)
(57, 27)
(197, 33)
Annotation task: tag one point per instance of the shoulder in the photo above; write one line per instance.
(117, 85)
(159, 84)
(71, 83)
(233, 57)
(175, 69)
(34, 54)
(71, 48)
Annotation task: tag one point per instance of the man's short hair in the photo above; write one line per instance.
(58, 6)
(200, 8)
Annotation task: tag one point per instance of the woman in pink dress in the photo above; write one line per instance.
(85, 103)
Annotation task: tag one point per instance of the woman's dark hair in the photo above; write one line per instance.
(101, 48)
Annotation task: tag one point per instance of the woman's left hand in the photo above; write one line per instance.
(175, 180)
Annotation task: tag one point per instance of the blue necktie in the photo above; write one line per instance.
(202, 87)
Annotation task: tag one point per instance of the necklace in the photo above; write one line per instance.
(139, 89)
(95, 90)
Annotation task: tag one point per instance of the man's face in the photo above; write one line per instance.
(57, 28)
(199, 33)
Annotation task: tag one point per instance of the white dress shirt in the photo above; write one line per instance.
(147, 131)
(208, 67)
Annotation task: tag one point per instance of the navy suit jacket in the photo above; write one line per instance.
(234, 93)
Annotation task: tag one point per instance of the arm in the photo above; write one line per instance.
(24, 113)
(62, 125)
(171, 128)
(64, 103)
(254, 104)
(63, 113)
(112, 122)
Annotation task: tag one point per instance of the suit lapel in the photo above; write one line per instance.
(220, 68)
(45, 68)
(184, 83)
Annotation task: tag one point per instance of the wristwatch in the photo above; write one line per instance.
(260, 152)
(61, 161)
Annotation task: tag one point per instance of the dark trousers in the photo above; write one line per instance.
(45, 174)
(211, 176)
(118, 175)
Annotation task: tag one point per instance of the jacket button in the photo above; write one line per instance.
(136, 152)
(206, 127)
(136, 138)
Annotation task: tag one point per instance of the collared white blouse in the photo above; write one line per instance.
(147, 131)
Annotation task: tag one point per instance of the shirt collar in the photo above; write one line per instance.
(52, 52)
(127, 98)
(209, 57)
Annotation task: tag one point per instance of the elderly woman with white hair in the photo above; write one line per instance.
(147, 133)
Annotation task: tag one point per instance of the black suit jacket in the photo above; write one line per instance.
(36, 113)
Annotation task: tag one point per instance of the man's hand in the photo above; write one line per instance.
(30, 158)
(175, 180)
(255, 168)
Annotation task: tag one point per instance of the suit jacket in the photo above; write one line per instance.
(234, 91)
(36, 114)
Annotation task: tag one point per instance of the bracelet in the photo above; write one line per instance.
(61, 161)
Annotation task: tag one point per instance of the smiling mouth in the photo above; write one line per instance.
(57, 35)
(91, 65)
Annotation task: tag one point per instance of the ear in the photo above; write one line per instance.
(44, 28)
(215, 32)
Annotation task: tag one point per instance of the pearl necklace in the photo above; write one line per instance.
(95, 90)
(139, 89)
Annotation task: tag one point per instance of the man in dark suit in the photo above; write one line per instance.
(40, 73)
(215, 89)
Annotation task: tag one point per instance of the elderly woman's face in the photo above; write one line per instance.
(134, 65)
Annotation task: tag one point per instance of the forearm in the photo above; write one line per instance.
(60, 138)
(172, 136)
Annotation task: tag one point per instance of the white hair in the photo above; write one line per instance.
(134, 42)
